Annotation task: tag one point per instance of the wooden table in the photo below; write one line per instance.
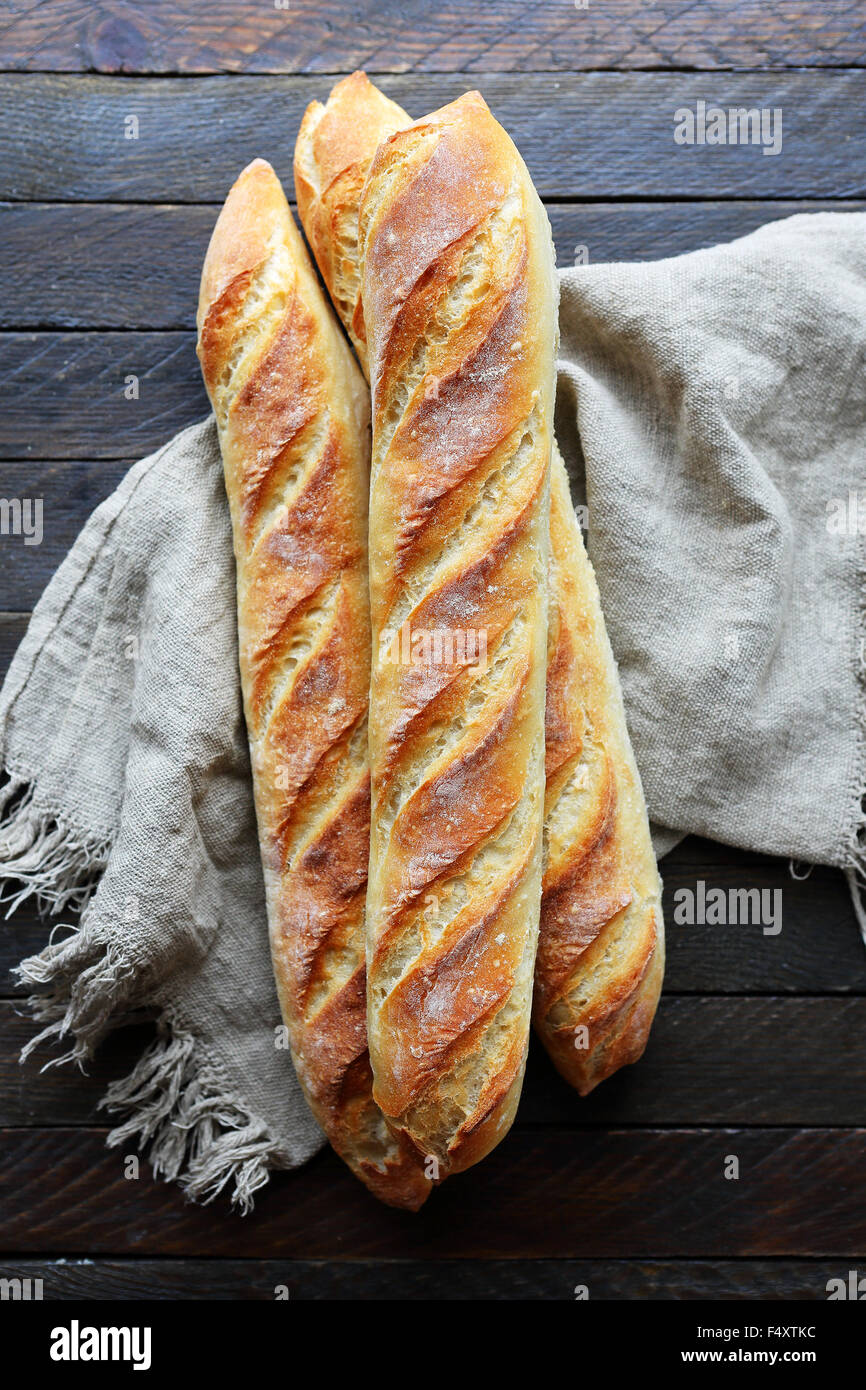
(121, 128)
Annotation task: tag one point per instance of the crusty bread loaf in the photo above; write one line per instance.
(292, 411)
(332, 155)
(601, 944)
(460, 299)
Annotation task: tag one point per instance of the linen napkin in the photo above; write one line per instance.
(712, 412)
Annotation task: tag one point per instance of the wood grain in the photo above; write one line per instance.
(63, 392)
(219, 1280)
(165, 36)
(709, 1062)
(64, 137)
(111, 265)
(12, 629)
(59, 1095)
(542, 1194)
(725, 1062)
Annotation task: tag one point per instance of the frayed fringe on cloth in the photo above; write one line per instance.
(87, 983)
(192, 1132)
(50, 862)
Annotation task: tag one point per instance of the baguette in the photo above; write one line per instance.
(459, 298)
(333, 152)
(293, 418)
(600, 957)
(600, 961)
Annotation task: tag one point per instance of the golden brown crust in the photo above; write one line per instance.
(599, 859)
(601, 941)
(459, 297)
(334, 148)
(292, 413)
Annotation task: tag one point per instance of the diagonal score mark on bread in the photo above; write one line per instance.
(601, 945)
(293, 418)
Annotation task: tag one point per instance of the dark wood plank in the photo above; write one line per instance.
(58, 390)
(548, 1194)
(59, 1095)
(68, 493)
(12, 629)
(819, 949)
(83, 265)
(709, 1062)
(110, 265)
(724, 1062)
(22, 935)
(599, 135)
(218, 1280)
(460, 35)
